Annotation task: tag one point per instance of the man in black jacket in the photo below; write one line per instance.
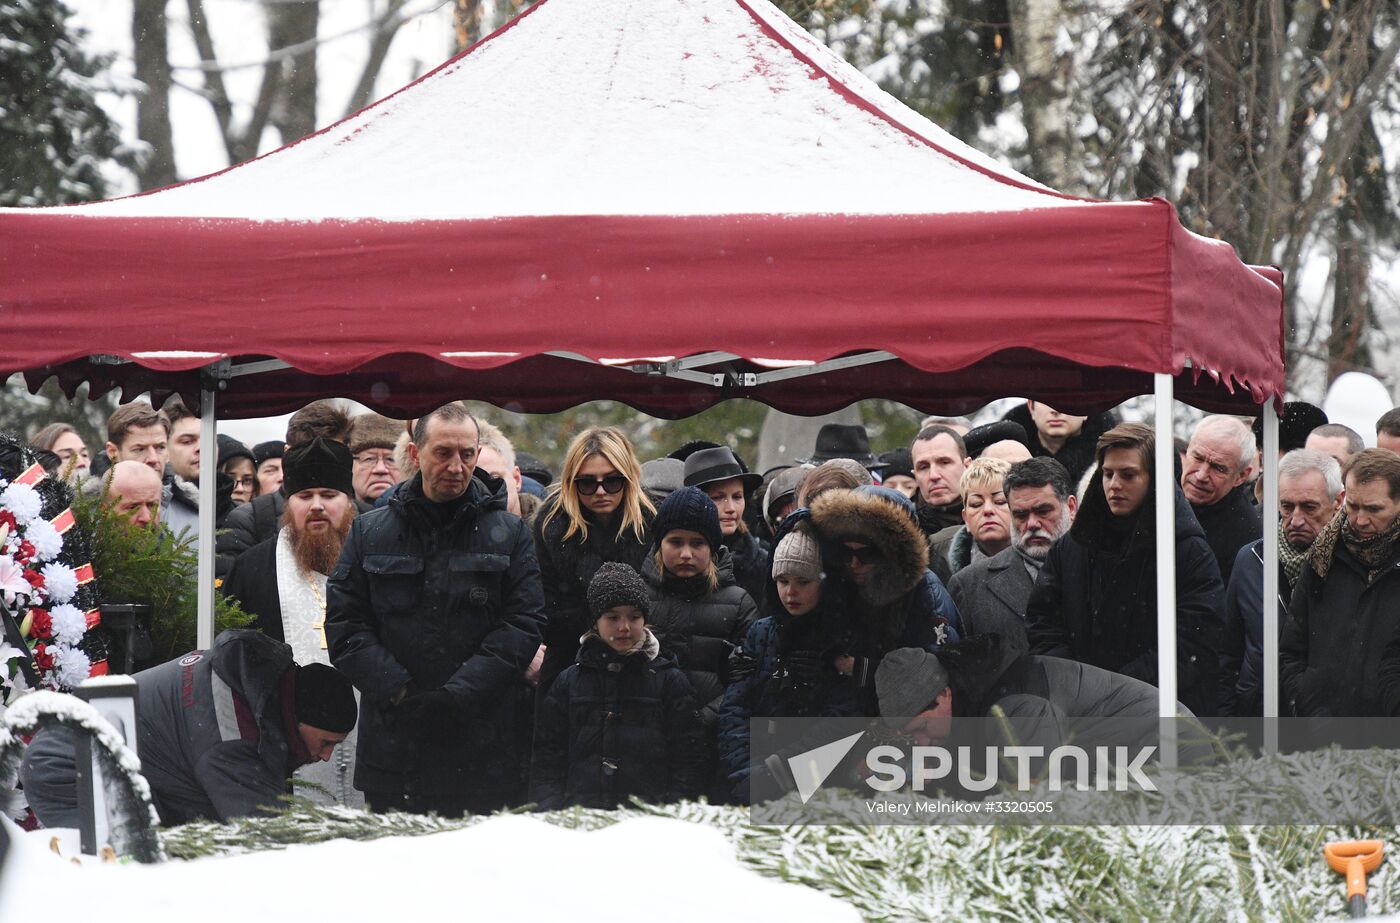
(1337, 658)
(1067, 438)
(1214, 477)
(434, 611)
(1309, 495)
(1096, 598)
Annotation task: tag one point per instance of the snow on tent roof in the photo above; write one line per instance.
(634, 178)
(620, 107)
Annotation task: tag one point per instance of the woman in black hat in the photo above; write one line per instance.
(728, 484)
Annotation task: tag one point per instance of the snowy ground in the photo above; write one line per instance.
(506, 868)
(637, 865)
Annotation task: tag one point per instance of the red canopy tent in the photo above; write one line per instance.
(662, 202)
(607, 184)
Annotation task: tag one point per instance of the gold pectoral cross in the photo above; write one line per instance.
(320, 626)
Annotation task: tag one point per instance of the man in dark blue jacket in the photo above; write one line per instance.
(434, 612)
(1309, 495)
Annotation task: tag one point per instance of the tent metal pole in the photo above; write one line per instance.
(208, 484)
(1164, 483)
(1271, 625)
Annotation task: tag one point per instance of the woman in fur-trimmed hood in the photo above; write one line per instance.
(881, 559)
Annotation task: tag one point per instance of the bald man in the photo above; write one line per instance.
(135, 493)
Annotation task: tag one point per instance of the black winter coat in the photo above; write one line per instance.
(749, 555)
(445, 596)
(1096, 599)
(770, 692)
(1077, 454)
(566, 567)
(245, 526)
(699, 628)
(1242, 644)
(1338, 657)
(617, 726)
(1230, 525)
(252, 583)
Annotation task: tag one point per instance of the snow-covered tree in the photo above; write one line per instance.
(54, 138)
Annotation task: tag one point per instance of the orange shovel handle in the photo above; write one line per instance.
(1354, 860)
(1356, 879)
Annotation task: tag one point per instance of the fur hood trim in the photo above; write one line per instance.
(846, 515)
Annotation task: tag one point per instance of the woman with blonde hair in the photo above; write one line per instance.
(596, 512)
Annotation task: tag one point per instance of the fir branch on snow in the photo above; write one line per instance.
(898, 872)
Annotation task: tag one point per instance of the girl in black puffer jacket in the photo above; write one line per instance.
(621, 722)
(697, 611)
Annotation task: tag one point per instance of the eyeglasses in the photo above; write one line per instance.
(588, 485)
(374, 459)
(865, 555)
(248, 481)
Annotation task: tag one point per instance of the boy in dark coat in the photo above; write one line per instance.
(621, 722)
(790, 656)
(1096, 598)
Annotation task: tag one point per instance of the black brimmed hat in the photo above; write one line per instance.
(844, 440)
(707, 466)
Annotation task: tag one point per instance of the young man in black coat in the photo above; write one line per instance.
(434, 611)
(1096, 598)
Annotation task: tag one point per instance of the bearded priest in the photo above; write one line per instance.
(282, 581)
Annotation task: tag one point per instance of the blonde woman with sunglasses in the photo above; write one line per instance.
(596, 512)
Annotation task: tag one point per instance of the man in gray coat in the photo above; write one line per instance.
(219, 732)
(991, 594)
(1056, 699)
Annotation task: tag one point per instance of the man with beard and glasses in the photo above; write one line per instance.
(991, 594)
(282, 581)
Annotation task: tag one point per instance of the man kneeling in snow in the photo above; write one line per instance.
(1048, 694)
(219, 732)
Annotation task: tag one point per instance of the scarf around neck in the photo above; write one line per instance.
(1373, 552)
(1292, 561)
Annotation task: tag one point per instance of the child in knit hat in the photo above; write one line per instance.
(793, 659)
(697, 610)
(620, 723)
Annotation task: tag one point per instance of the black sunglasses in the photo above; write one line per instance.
(866, 555)
(588, 485)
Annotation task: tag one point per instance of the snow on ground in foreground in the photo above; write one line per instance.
(509, 867)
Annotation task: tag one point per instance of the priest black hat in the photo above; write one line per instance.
(321, 463)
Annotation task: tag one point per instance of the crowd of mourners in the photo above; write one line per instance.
(445, 623)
